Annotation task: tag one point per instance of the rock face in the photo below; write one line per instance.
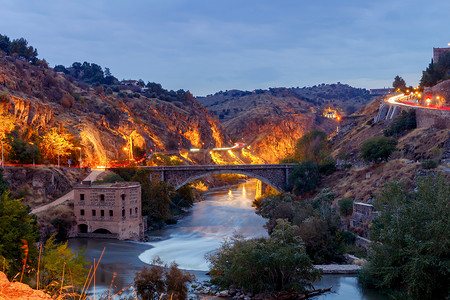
(272, 120)
(103, 122)
(19, 291)
(39, 184)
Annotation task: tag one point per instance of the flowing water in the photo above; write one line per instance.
(224, 213)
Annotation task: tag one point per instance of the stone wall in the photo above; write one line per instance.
(439, 119)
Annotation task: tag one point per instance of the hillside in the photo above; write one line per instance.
(271, 121)
(102, 121)
(362, 181)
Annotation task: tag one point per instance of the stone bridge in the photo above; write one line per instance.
(274, 175)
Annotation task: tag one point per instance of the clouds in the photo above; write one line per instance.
(210, 45)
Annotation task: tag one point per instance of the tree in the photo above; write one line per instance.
(156, 196)
(274, 264)
(162, 282)
(411, 241)
(346, 207)
(61, 264)
(318, 223)
(17, 229)
(402, 123)
(436, 71)
(20, 151)
(399, 84)
(5, 44)
(377, 149)
(312, 146)
(56, 142)
(304, 177)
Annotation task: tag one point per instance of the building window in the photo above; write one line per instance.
(102, 197)
(82, 212)
(93, 212)
(123, 197)
(102, 213)
(81, 197)
(136, 210)
(111, 213)
(123, 212)
(131, 211)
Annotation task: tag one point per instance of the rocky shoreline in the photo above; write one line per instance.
(212, 291)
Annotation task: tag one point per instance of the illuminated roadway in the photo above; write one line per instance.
(402, 100)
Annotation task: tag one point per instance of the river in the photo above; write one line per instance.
(223, 213)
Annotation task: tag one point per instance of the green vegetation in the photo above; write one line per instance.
(402, 123)
(160, 201)
(60, 264)
(21, 151)
(304, 178)
(429, 164)
(411, 241)
(164, 160)
(317, 223)
(345, 207)
(19, 47)
(377, 149)
(312, 153)
(399, 84)
(278, 263)
(436, 71)
(18, 233)
(162, 282)
(312, 146)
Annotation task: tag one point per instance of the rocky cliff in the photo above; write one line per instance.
(271, 121)
(102, 121)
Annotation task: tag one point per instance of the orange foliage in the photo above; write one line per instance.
(55, 141)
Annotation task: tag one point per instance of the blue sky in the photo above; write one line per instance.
(210, 45)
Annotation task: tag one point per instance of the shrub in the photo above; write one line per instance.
(327, 167)
(312, 146)
(377, 149)
(278, 263)
(405, 121)
(111, 178)
(411, 241)
(429, 164)
(304, 178)
(346, 207)
(162, 282)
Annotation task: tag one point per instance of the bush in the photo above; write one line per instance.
(429, 164)
(162, 282)
(377, 149)
(304, 178)
(317, 221)
(278, 263)
(405, 121)
(111, 178)
(312, 146)
(411, 241)
(346, 207)
(327, 167)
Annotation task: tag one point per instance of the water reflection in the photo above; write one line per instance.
(223, 215)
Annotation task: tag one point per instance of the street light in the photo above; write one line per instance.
(79, 148)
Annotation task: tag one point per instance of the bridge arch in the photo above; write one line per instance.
(239, 172)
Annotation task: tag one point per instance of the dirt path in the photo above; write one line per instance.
(91, 177)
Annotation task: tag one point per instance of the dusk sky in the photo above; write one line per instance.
(208, 45)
